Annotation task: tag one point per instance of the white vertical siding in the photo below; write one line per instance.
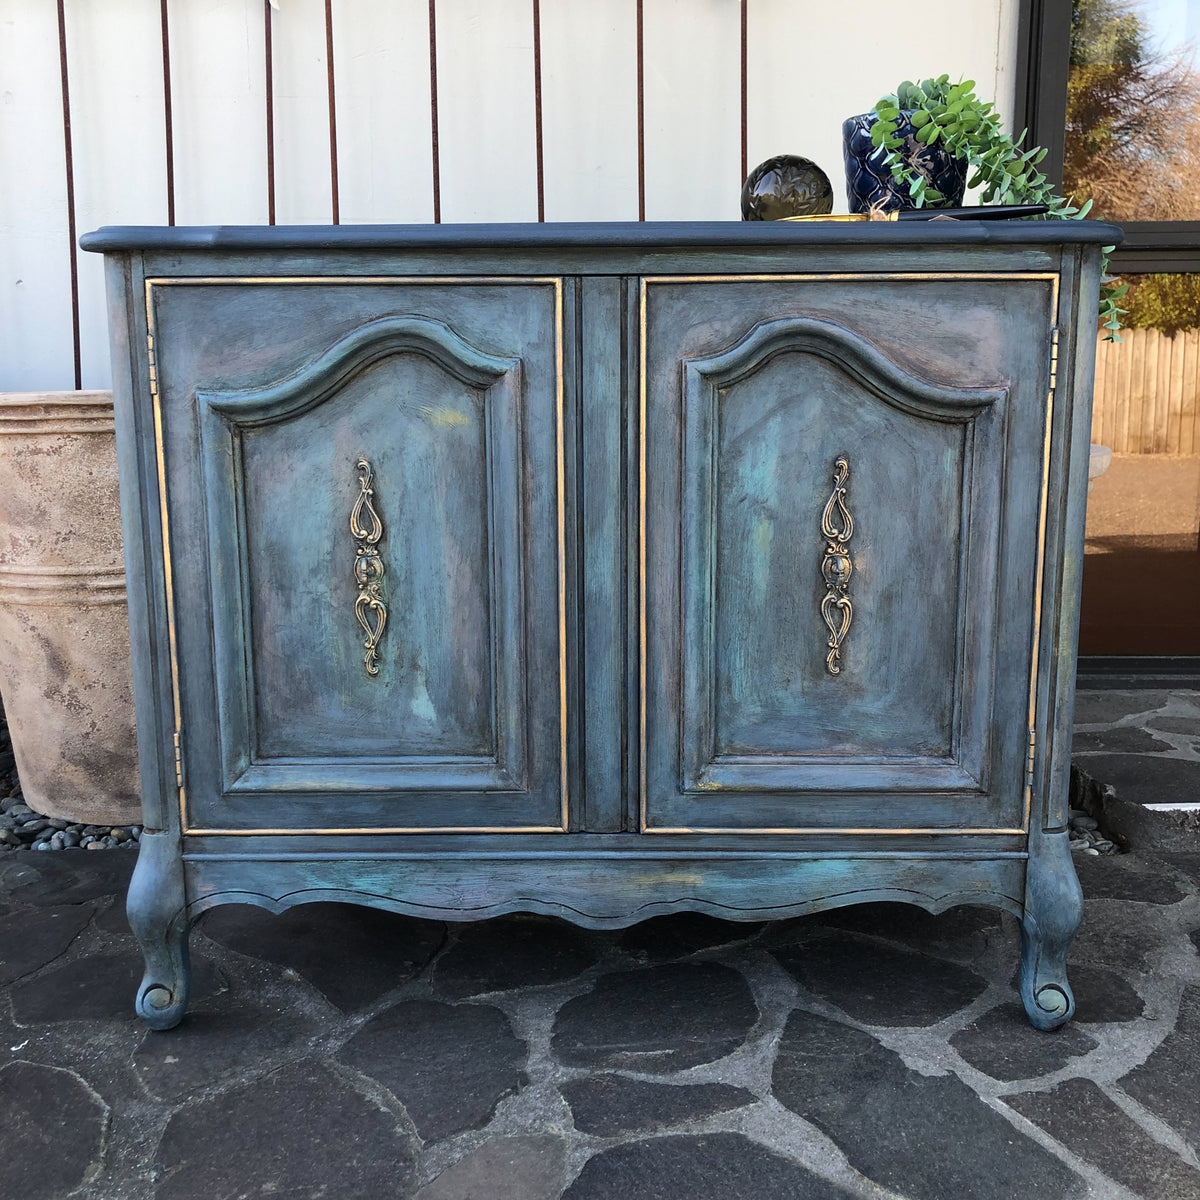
(589, 110)
(218, 86)
(381, 57)
(35, 282)
(488, 138)
(809, 65)
(303, 195)
(117, 167)
(693, 110)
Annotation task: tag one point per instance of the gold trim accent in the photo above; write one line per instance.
(1043, 506)
(372, 829)
(894, 215)
(168, 574)
(642, 773)
(1051, 277)
(866, 276)
(815, 829)
(836, 566)
(368, 567)
(560, 469)
(210, 280)
(556, 281)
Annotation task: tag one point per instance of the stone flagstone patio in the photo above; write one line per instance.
(872, 1052)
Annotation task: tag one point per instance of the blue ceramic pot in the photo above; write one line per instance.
(869, 183)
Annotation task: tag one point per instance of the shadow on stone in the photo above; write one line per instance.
(351, 954)
(67, 876)
(1118, 933)
(1002, 1044)
(214, 1044)
(511, 952)
(1103, 996)
(449, 1065)
(656, 1020)
(31, 939)
(680, 934)
(1124, 877)
(961, 932)
(879, 984)
(99, 987)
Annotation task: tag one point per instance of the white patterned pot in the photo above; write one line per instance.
(65, 674)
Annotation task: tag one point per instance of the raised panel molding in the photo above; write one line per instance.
(316, 382)
(846, 350)
(965, 442)
(227, 418)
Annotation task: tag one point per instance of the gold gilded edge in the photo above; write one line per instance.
(1041, 542)
(560, 466)
(372, 829)
(168, 577)
(1054, 279)
(794, 829)
(642, 777)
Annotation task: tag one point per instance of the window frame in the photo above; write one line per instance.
(1040, 107)
(1043, 53)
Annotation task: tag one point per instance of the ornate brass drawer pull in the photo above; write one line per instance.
(369, 607)
(836, 566)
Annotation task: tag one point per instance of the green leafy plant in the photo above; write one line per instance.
(952, 116)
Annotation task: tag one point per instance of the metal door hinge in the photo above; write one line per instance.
(1053, 358)
(1029, 757)
(153, 364)
(178, 763)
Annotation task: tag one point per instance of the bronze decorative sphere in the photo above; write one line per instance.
(786, 186)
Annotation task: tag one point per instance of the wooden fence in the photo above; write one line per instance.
(1146, 393)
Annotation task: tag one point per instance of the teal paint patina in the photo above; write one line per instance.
(599, 458)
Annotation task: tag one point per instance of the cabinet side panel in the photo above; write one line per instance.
(142, 533)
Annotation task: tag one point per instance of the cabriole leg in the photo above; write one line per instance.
(158, 916)
(1053, 909)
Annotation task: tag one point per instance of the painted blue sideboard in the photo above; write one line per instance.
(604, 570)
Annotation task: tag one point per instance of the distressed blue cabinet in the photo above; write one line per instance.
(604, 571)
(433, 417)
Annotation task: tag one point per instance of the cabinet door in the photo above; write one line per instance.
(842, 484)
(363, 486)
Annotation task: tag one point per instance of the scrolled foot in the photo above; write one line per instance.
(159, 1006)
(1053, 908)
(1050, 1005)
(158, 917)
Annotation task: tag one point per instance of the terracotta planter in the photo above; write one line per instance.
(65, 675)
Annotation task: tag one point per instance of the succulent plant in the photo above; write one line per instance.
(952, 115)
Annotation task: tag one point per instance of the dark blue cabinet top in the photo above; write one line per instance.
(638, 235)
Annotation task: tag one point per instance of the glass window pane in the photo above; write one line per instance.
(1141, 577)
(1133, 109)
